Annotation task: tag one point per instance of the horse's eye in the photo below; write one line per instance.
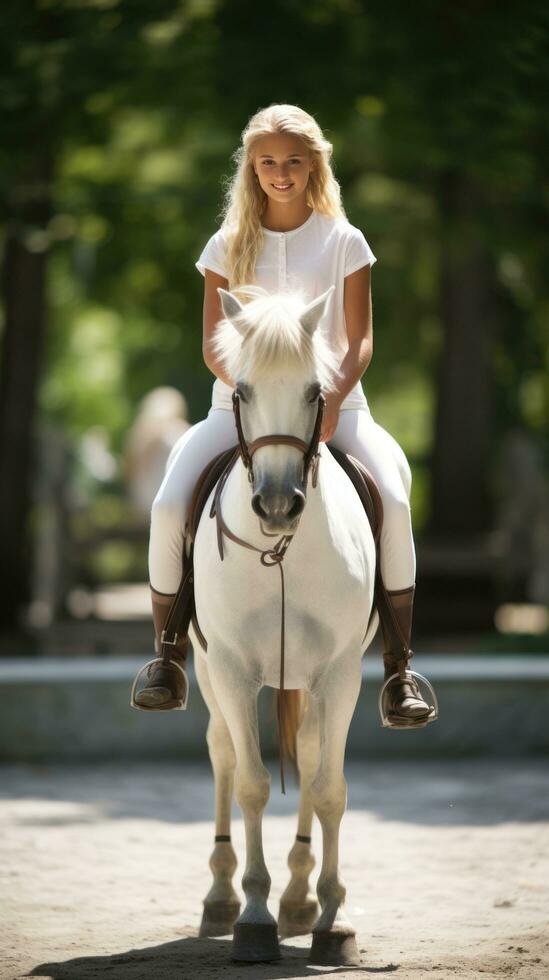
(313, 391)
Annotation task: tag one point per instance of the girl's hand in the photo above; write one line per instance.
(330, 417)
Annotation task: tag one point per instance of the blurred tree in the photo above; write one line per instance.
(67, 70)
(119, 119)
(466, 90)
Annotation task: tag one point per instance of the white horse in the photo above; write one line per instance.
(280, 362)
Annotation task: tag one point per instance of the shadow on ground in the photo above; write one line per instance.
(192, 957)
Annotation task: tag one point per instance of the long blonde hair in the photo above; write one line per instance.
(245, 199)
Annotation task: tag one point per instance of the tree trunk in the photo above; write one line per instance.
(23, 287)
(465, 388)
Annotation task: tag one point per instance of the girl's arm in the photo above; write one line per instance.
(357, 304)
(212, 314)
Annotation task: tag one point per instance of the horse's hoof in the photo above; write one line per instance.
(334, 948)
(255, 942)
(297, 918)
(218, 918)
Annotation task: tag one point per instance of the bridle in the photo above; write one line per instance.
(309, 450)
(273, 556)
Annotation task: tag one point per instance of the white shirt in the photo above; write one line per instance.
(311, 258)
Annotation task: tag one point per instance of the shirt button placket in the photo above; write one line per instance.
(281, 260)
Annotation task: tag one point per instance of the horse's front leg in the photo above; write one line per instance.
(298, 906)
(336, 693)
(221, 905)
(255, 936)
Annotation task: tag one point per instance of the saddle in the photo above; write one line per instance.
(183, 611)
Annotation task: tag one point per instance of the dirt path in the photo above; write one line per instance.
(104, 870)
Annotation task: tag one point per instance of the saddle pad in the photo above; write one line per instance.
(365, 486)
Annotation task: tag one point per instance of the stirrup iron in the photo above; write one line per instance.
(407, 722)
(161, 660)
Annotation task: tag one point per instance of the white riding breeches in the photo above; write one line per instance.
(356, 433)
(361, 437)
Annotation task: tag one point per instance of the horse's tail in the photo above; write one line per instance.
(293, 709)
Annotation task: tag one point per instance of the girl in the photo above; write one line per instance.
(284, 227)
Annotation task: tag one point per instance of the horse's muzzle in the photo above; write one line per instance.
(279, 512)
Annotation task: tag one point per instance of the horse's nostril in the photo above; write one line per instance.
(278, 507)
(297, 507)
(257, 505)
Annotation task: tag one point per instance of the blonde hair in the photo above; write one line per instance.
(245, 199)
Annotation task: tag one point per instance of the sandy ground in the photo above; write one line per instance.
(104, 870)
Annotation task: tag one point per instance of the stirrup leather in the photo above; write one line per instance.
(165, 663)
(388, 720)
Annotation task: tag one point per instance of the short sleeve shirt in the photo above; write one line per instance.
(310, 258)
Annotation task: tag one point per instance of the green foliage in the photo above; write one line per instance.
(139, 107)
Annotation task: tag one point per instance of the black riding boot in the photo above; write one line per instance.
(404, 704)
(167, 683)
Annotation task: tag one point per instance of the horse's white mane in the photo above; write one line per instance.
(273, 339)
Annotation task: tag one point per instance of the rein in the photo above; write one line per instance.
(270, 557)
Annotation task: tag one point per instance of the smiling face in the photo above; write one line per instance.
(283, 164)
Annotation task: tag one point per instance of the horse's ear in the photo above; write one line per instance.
(312, 313)
(231, 305)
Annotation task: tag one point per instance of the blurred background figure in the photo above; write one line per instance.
(160, 420)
